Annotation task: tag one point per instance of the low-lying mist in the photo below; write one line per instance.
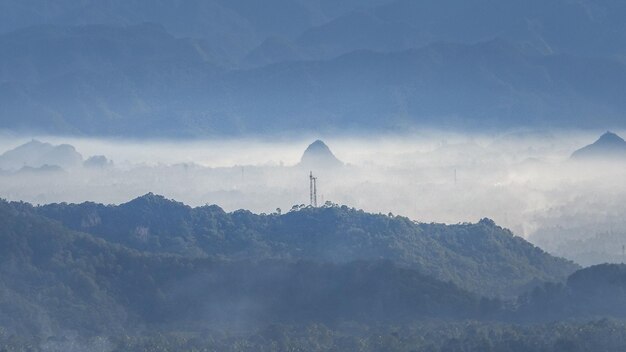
(523, 180)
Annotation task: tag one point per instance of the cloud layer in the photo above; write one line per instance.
(522, 180)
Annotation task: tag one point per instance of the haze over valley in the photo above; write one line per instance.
(527, 182)
(312, 175)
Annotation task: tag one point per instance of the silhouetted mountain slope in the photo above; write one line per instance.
(487, 85)
(50, 274)
(96, 79)
(480, 257)
(590, 28)
(323, 28)
(37, 154)
(230, 28)
(54, 279)
(97, 68)
(608, 146)
(591, 292)
(318, 155)
(141, 81)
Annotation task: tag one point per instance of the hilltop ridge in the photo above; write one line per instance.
(481, 257)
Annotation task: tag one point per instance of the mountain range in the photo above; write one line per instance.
(37, 155)
(455, 253)
(154, 263)
(217, 67)
(590, 27)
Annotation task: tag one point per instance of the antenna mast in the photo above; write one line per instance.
(312, 190)
(315, 192)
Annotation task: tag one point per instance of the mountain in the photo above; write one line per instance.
(112, 84)
(61, 290)
(608, 146)
(217, 67)
(97, 79)
(326, 29)
(230, 28)
(482, 257)
(534, 26)
(50, 273)
(318, 155)
(598, 290)
(36, 154)
(96, 68)
(442, 84)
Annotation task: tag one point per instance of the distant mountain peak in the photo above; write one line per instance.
(318, 144)
(610, 138)
(609, 145)
(149, 198)
(318, 154)
(153, 201)
(36, 154)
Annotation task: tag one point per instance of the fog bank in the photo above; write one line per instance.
(523, 180)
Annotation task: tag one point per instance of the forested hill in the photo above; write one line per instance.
(482, 257)
(595, 291)
(53, 280)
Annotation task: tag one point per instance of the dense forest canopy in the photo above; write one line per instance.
(83, 274)
(481, 257)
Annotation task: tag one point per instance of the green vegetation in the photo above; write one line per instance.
(482, 257)
(324, 279)
(601, 335)
(70, 280)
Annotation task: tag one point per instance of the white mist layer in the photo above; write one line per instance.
(524, 181)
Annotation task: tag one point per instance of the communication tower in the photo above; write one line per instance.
(313, 189)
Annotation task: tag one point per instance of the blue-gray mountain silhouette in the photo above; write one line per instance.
(610, 145)
(39, 155)
(318, 155)
(193, 68)
(121, 91)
